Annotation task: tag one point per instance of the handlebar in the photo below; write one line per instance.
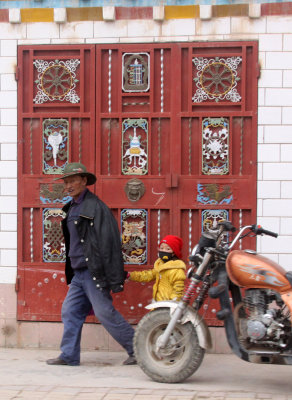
(211, 240)
(258, 230)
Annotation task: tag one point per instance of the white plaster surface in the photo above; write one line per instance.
(8, 82)
(76, 30)
(8, 48)
(8, 258)
(269, 189)
(8, 151)
(245, 24)
(270, 78)
(269, 115)
(8, 222)
(8, 116)
(7, 274)
(279, 24)
(109, 13)
(38, 30)
(221, 26)
(254, 10)
(60, 15)
(8, 187)
(287, 78)
(268, 42)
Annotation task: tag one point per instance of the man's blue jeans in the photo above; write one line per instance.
(81, 297)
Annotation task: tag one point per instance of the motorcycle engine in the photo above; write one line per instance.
(258, 323)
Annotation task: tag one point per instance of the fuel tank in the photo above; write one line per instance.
(251, 270)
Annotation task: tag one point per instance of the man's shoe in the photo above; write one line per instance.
(56, 361)
(131, 360)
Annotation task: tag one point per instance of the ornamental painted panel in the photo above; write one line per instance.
(215, 146)
(55, 145)
(134, 236)
(136, 72)
(210, 218)
(216, 79)
(56, 81)
(214, 193)
(135, 146)
(53, 241)
(53, 195)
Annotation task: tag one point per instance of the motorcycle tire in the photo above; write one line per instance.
(181, 356)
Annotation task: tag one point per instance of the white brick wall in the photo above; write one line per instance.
(269, 115)
(180, 27)
(270, 42)
(8, 222)
(8, 187)
(247, 25)
(8, 48)
(271, 78)
(269, 189)
(8, 81)
(287, 115)
(8, 258)
(274, 113)
(43, 31)
(275, 171)
(8, 116)
(279, 24)
(76, 30)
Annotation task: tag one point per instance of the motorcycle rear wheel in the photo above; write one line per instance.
(182, 355)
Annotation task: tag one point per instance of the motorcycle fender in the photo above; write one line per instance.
(200, 325)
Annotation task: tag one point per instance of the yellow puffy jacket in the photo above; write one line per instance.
(169, 279)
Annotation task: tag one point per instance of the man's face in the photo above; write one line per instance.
(74, 185)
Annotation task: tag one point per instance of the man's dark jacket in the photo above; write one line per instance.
(99, 234)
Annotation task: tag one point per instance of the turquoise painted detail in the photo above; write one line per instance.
(123, 3)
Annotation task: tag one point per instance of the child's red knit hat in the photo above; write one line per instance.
(175, 243)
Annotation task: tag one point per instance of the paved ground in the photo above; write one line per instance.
(24, 374)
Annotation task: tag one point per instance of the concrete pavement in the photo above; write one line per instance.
(24, 374)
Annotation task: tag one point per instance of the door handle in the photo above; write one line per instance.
(171, 180)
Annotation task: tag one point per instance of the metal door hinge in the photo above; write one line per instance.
(17, 283)
(17, 73)
(258, 70)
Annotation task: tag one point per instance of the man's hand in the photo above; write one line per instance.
(126, 275)
(117, 288)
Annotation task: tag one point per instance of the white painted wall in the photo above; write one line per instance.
(274, 112)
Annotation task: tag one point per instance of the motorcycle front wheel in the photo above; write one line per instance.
(181, 356)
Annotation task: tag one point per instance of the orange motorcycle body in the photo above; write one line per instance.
(253, 271)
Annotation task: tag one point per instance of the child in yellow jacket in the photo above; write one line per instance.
(168, 271)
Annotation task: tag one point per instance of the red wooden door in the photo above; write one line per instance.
(171, 137)
(56, 124)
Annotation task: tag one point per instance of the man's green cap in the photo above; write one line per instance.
(75, 168)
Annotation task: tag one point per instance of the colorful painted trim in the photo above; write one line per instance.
(36, 11)
(125, 3)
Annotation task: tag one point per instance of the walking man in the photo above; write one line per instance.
(94, 267)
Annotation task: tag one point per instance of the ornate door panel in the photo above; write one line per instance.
(134, 119)
(171, 137)
(56, 124)
(218, 126)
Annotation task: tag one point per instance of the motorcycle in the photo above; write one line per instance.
(255, 296)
